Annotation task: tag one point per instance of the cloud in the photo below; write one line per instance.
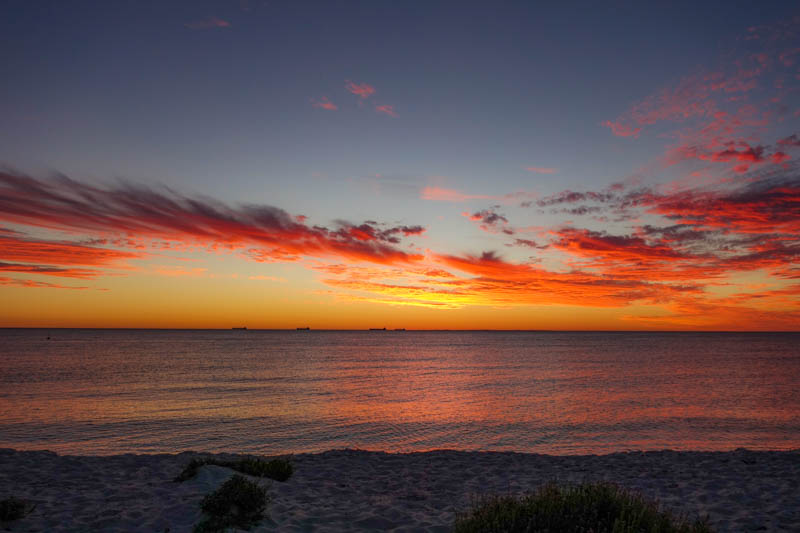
(440, 194)
(207, 23)
(372, 231)
(765, 206)
(542, 170)
(267, 278)
(621, 130)
(59, 252)
(180, 271)
(324, 103)
(490, 221)
(386, 109)
(725, 100)
(136, 212)
(82, 273)
(362, 90)
(530, 244)
(31, 284)
(790, 141)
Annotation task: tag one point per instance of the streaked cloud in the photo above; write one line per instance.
(67, 205)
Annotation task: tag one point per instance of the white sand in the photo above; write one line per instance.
(350, 490)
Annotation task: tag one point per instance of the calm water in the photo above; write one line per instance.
(107, 391)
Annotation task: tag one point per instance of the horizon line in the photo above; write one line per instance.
(387, 329)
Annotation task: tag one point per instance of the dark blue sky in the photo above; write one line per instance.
(142, 90)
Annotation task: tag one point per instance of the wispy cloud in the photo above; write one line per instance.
(621, 130)
(542, 170)
(324, 103)
(746, 90)
(386, 109)
(441, 194)
(260, 277)
(362, 90)
(208, 23)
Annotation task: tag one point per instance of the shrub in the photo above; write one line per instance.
(277, 469)
(596, 507)
(238, 503)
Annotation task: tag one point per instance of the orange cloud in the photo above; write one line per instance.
(542, 170)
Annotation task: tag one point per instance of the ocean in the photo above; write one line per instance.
(101, 392)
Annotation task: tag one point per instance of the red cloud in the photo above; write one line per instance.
(362, 90)
(68, 205)
(59, 253)
(324, 103)
(386, 109)
(790, 141)
(763, 207)
(739, 152)
(208, 22)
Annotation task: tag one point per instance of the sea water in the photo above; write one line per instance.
(144, 391)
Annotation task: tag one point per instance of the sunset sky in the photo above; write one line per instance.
(423, 165)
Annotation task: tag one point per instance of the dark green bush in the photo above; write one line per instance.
(13, 509)
(277, 469)
(238, 503)
(589, 507)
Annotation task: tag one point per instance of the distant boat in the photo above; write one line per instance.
(243, 327)
(304, 329)
(399, 329)
(377, 329)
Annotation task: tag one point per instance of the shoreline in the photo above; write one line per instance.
(741, 490)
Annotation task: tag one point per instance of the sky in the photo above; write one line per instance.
(420, 165)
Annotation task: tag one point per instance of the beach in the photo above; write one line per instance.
(354, 490)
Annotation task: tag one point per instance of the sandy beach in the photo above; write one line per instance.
(351, 490)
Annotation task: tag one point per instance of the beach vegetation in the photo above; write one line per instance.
(597, 507)
(238, 503)
(277, 469)
(13, 508)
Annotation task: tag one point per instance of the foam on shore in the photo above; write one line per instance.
(355, 490)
